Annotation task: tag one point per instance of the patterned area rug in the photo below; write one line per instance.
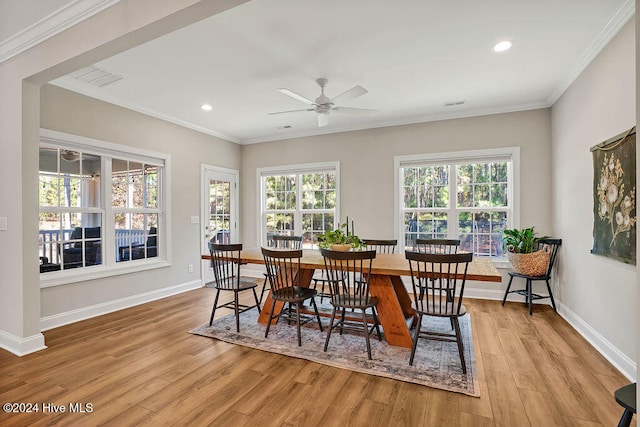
(436, 363)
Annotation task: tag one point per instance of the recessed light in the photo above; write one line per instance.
(502, 46)
(206, 107)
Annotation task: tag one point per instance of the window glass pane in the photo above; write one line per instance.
(81, 243)
(279, 223)
(136, 186)
(481, 189)
(499, 195)
(424, 225)
(136, 236)
(49, 189)
(481, 232)
(151, 182)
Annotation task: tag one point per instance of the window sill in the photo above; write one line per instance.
(501, 263)
(48, 280)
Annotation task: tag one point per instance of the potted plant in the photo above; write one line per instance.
(339, 239)
(521, 246)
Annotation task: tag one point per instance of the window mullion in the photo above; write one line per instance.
(109, 251)
(452, 229)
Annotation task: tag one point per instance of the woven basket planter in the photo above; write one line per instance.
(533, 264)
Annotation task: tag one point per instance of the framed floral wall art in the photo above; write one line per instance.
(614, 197)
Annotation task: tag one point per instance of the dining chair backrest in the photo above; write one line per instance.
(283, 271)
(286, 242)
(225, 262)
(437, 279)
(437, 246)
(381, 246)
(348, 274)
(552, 246)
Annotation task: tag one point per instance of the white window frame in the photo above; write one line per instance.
(511, 154)
(292, 169)
(108, 150)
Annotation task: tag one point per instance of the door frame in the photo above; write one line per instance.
(204, 207)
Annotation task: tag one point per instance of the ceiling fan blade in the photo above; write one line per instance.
(290, 111)
(323, 120)
(296, 96)
(352, 93)
(360, 111)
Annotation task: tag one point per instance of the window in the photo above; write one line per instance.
(300, 200)
(467, 196)
(101, 205)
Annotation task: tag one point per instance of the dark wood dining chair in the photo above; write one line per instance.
(348, 276)
(225, 262)
(381, 246)
(437, 246)
(283, 273)
(435, 279)
(278, 241)
(553, 245)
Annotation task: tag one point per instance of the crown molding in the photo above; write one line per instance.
(615, 24)
(51, 25)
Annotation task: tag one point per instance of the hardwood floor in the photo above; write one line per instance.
(140, 367)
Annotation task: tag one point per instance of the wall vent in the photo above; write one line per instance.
(454, 103)
(95, 76)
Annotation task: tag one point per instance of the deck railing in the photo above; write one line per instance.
(50, 239)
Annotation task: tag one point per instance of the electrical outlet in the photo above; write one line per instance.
(190, 268)
(195, 220)
(3, 223)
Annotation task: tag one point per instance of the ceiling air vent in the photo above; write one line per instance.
(95, 76)
(454, 103)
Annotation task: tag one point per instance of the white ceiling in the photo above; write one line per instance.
(413, 56)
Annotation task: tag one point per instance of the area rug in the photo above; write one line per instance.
(436, 364)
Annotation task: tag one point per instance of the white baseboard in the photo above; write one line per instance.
(61, 319)
(21, 346)
(624, 364)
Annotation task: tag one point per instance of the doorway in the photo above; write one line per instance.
(219, 217)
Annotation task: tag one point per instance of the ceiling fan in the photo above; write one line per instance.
(323, 105)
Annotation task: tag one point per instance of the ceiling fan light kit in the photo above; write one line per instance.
(323, 105)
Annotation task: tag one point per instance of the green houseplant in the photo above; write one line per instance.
(520, 241)
(521, 246)
(339, 239)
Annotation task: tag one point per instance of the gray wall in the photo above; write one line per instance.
(69, 112)
(598, 294)
(367, 169)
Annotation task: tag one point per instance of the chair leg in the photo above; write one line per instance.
(344, 311)
(366, 333)
(315, 307)
(506, 292)
(264, 289)
(377, 323)
(326, 341)
(415, 340)
(529, 297)
(215, 305)
(273, 307)
(553, 303)
(255, 296)
(460, 344)
(237, 310)
(298, 326)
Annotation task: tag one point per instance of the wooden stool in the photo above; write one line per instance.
(626, 397)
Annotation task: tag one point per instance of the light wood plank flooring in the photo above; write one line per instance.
(140, 367)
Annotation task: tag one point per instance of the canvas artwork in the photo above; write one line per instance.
(614, 197)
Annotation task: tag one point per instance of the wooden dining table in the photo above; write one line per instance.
(394, 303)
